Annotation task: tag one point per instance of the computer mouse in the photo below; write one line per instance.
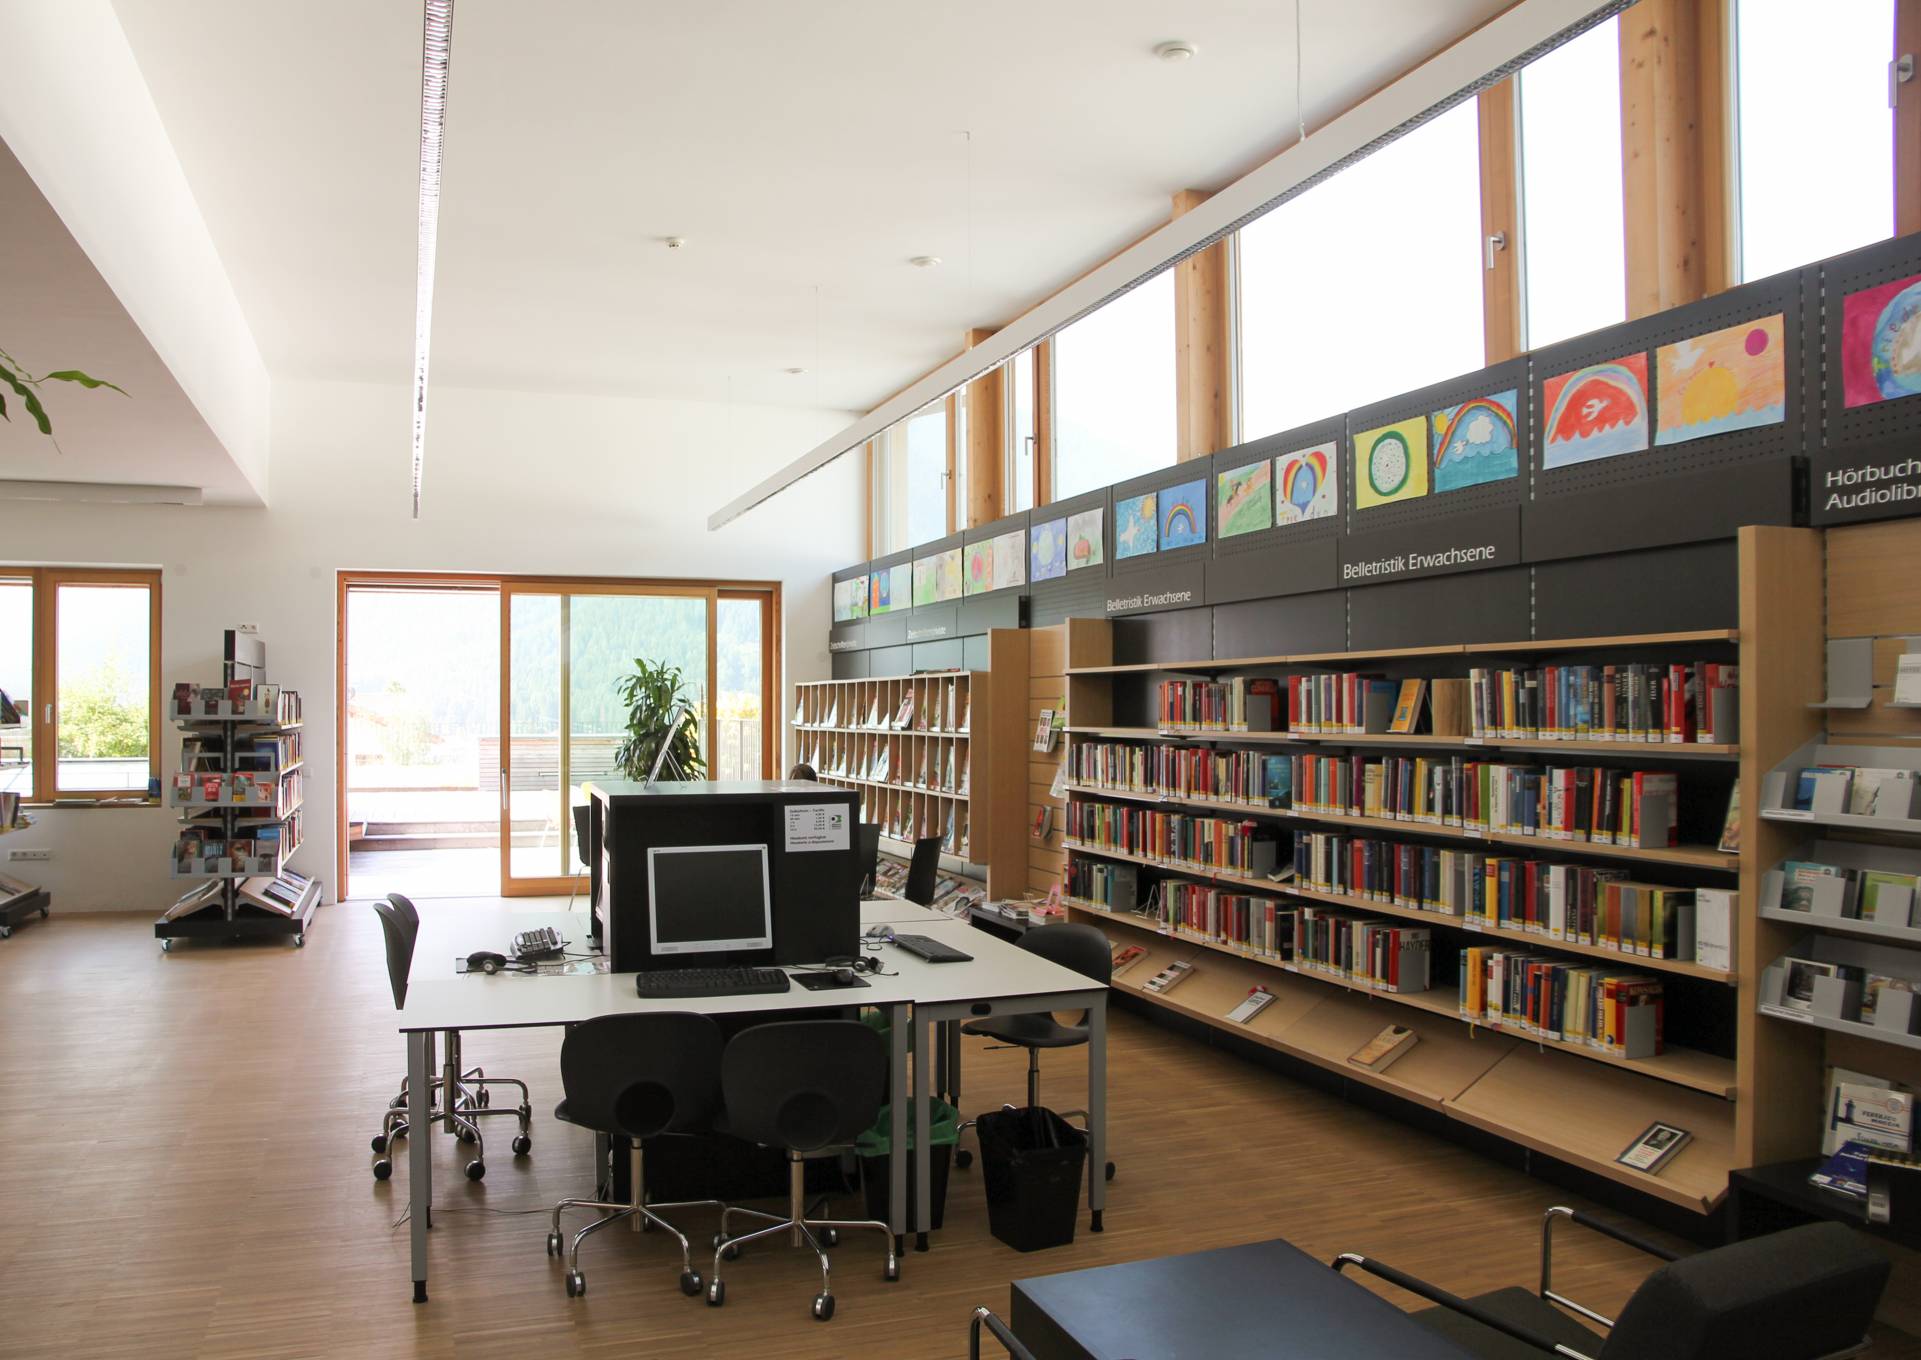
(844, 977)
(485, 961)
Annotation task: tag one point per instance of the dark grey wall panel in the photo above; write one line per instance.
(1293, 623)
(1471, 542)
(1662, 590)
(890, 661)
(1000, 609)
(852, 665)
(847, 637)
(1181, 635)
(1685, 509)
(887, 630)
(932, 622)
(931, 656)
(975, 652)
(1077, 595)
(1284, 567)
(1172, 584)
(1489, 606)
(1877, 480)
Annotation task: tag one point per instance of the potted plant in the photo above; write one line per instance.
(25, 386)
(659, 712)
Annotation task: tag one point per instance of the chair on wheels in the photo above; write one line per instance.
(923, 872)
(637, 1077)
(1072, 945)
(809, 1087)
(459, 1096)
(1803, 1294)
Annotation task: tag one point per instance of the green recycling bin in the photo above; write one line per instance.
(875, 1146)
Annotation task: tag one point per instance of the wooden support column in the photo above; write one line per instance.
(1907, 120)
(986, 440)
(1043, 423)
(1500, 222)
(1674, 154)
(1203, 345)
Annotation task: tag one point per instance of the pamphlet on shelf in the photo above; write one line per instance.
(1169, 977)
(1654, 1148)
(1380, 1052)
(1258, 1000)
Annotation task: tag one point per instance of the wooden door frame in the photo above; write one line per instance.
(712, 591)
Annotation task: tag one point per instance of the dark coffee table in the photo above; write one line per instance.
(1262, 1301)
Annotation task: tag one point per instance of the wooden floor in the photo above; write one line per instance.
(186, 1174)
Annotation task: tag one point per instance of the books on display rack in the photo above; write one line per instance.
(1169, 977)
(1655, 1148)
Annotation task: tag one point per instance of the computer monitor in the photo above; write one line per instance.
(867, 854)
(708, 899)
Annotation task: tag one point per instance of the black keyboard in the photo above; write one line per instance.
(675, 982)
(932, 950)
(534, 944)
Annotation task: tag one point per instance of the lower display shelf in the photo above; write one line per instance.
(1838, 1026)
(1676, 1066)
(1582, 1115)
(212, 922)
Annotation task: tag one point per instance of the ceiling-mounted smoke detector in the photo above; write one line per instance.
(924, 261)
(1176, 51)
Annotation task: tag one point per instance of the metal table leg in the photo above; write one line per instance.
(1097, 1107)
(420, 1153)
(898, 1020)
(924, 1038)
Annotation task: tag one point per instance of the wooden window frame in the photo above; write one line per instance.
(43, 722)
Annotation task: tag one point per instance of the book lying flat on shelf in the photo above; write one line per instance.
(1379, 1053)
(1126, 956)
(1654, 1148)
(1169, 977)
(1258, 1000)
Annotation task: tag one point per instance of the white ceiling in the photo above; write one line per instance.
(60, 314)
(797, 147)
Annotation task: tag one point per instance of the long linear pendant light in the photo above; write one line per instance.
(1489, 54)
(436, 45)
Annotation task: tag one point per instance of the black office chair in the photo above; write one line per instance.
(867, 855)
(1000, 1331)
(580, 836)
(459, 1106)
(923, 871)
(810, 1087)
(1802, 1294)
(1072, 945)
(637, 1077)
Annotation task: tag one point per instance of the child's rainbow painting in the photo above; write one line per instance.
(1183, 515)
(1731, 379)
(1600, 411)
(1474, 442)
(1307, 484)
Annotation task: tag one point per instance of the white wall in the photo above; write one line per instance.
(515, 483)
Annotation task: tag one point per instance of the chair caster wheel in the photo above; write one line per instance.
(823, 1307)
(576, 1284)
(553, 1244)
(526, 1113)
(892, 1273)
(476, 1169)
(716, 1293)
(300, 942)
(166, 946)
(1110, 1171)
(383, 1169)
(469, 1136)
(728, 1251)
(964, 1158)
(830, 1237)
(690, 1283)
(485, 1097)
(523, 1145)
(379, 1142)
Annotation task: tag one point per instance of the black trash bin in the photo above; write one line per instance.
(1032, 1161)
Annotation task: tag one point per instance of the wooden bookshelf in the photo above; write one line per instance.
(1578, 1104)
(953, 768)
(1503, 1084)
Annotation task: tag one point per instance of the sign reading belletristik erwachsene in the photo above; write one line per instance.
(1881, 480)
(1180, 586)
(1474, 541)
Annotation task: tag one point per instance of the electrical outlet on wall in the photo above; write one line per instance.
(18, 855)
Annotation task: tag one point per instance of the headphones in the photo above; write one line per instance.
(857, 963)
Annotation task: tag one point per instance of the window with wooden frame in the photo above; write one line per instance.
(80, 667)
(1020, 447)
(913, 482)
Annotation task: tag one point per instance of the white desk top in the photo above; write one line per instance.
(896, 911)
(438, 1000)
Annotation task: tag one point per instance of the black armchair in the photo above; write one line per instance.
(1803, 1294)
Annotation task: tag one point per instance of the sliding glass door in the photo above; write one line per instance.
(569, 645)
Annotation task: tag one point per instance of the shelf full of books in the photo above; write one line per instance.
(239, 791)
(1577, 909)
(905, 744)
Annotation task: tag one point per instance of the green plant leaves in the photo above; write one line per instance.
(74, 375)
